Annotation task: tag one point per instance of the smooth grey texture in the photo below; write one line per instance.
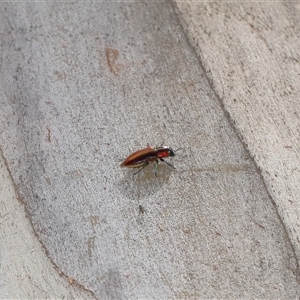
(84, 86)
(25, 271)
(250, 54)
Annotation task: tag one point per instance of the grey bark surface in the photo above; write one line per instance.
(85, 85)
(26, 272)
(250, 54)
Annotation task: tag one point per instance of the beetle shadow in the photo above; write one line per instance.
(144, 183)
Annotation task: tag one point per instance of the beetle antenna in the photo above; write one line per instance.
(178, 149)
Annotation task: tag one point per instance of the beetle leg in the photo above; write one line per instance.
(141, 169)
(167, 163)
(155, 167)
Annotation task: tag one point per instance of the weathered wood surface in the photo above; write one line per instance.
(82, 86)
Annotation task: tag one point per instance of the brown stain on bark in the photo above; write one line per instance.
(112, 58)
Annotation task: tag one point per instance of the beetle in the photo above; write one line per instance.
(144, 157)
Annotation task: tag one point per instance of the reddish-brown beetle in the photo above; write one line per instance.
(144, 157)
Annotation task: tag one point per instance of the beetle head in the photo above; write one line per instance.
(171, 151)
